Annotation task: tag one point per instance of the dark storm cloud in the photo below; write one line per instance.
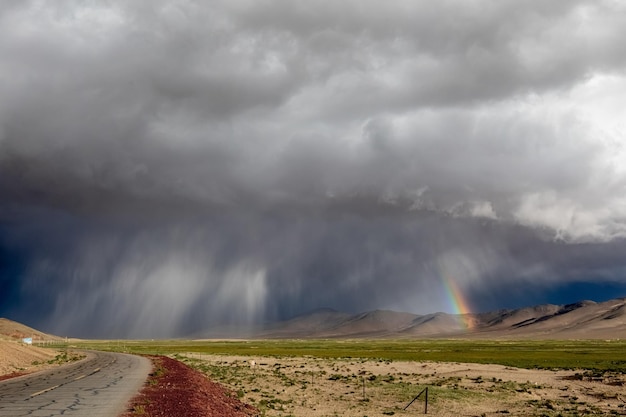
(168, 160)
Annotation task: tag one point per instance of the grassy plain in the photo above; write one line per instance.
(558, 354)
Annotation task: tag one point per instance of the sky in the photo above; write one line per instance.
(167, 167)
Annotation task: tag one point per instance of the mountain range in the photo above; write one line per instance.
(580, 320)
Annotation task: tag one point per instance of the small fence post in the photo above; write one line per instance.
(363, 378)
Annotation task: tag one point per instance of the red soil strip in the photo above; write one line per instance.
(176, 390)
(12, 375)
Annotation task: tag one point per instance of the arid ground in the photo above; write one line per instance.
(18, 358)
(308, 386)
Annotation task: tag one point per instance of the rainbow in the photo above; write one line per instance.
(457, 302)
(455, 297)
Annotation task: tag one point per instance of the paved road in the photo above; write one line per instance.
(99, 386)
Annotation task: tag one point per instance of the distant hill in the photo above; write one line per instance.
(12, 330)
(581, 320)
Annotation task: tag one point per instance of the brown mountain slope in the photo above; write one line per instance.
(13, 330)
(602, 320)
(521, 317)
(317, 322)
(572, 321)
(438, 324)
(378, 323)
(18, 358)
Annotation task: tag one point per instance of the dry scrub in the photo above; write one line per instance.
(308, 386)
(17, 358)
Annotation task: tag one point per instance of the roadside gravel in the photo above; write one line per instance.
(174, 389)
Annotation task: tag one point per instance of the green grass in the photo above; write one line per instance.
(590, 354)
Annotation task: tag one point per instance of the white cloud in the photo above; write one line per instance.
(483, 209)
(293, 101)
